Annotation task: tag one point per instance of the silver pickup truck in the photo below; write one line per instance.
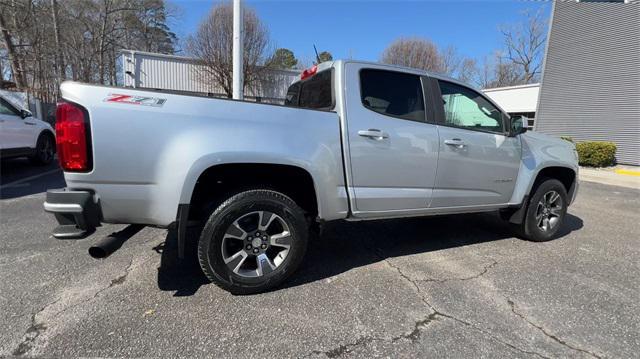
(353, 141)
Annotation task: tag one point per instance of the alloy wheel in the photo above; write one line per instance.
(548, 211)
(256, 243)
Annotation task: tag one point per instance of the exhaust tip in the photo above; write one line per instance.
(98, 253)
(111, 243)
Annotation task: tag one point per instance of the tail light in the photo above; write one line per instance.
(73, 137)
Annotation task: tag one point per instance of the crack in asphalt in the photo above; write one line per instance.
(475, 276)
(412, 336)
(415, 334)
(436, 313)
(119, 280)
(346, 348)
(37, 328)
(547, 334)
(32, 333)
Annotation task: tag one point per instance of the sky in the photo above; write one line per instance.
(362, 29)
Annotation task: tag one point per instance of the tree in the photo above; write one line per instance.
(468, 70)
(212, 45)
(325, 56)
(524, 45)
(414, 52)
(10, 48)
(425, 55)
(48, 41)
(499, 73)
(282, 59)
(450, 60)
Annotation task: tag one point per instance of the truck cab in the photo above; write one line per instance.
(416, 143)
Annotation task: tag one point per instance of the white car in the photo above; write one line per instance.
(22, 135)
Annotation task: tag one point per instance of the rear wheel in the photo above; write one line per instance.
(44, 150)
(253, 241)
(545, 212)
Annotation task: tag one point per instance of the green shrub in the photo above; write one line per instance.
(567, 138)
(596, 153)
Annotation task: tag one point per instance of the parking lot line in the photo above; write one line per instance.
(27, 179)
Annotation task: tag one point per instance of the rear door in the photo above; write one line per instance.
(393, 149)
(478, 162)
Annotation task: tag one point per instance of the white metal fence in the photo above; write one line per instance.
(169, 72)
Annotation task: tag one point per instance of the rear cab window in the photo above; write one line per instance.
(315, 92)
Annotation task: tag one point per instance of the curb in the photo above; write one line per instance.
(629, 179)
(627, 172)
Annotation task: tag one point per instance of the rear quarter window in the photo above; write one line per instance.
(315, 92)
(391, 93)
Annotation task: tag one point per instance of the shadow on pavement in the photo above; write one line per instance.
(347, 245)
(18, 178)
(182, 276)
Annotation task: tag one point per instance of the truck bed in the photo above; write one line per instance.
(149, 147)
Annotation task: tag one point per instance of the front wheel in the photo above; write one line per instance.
(45, 149)
(546, 210)
(253, 241)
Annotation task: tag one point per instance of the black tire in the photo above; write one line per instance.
(244, 206)
(533, 226)
(45, 149)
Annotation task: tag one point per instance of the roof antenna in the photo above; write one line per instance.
(317, 56)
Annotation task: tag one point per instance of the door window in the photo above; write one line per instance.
(7, 109)
(392, 93)
(466, 108)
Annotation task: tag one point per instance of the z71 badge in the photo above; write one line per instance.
(136, 100)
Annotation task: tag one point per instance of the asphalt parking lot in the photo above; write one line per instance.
(458, 286)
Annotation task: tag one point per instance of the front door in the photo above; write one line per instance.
(478, 162)
(14, 133)
(393, 149)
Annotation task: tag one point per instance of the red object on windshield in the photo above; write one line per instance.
(309, 72)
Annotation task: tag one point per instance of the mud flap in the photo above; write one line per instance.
(182, 221)
(517, 217)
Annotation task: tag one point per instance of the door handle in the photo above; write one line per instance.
(458, 143)
(373, 134)
(30, 123)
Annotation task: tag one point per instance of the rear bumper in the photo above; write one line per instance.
(77, 212)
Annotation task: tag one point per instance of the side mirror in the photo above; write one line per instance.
(518, 125)
(25, 113)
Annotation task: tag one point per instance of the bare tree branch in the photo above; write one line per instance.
(524, 45)
(212, 46)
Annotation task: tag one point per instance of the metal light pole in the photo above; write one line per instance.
(238, 46)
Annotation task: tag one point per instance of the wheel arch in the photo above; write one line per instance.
(48, 132)
(212, 184)
(566, 175)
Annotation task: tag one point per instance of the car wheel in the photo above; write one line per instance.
(44, 150)
(546, 210)
(253, 241)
